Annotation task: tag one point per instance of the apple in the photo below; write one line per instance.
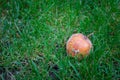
(78, 44)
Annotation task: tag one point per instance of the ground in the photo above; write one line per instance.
(33, 36)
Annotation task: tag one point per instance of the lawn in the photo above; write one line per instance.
(33, 36)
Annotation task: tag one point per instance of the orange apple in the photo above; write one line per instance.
(78, 44)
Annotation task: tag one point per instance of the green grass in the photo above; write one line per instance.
(33, 34)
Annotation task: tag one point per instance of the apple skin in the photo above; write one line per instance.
(78, 44)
